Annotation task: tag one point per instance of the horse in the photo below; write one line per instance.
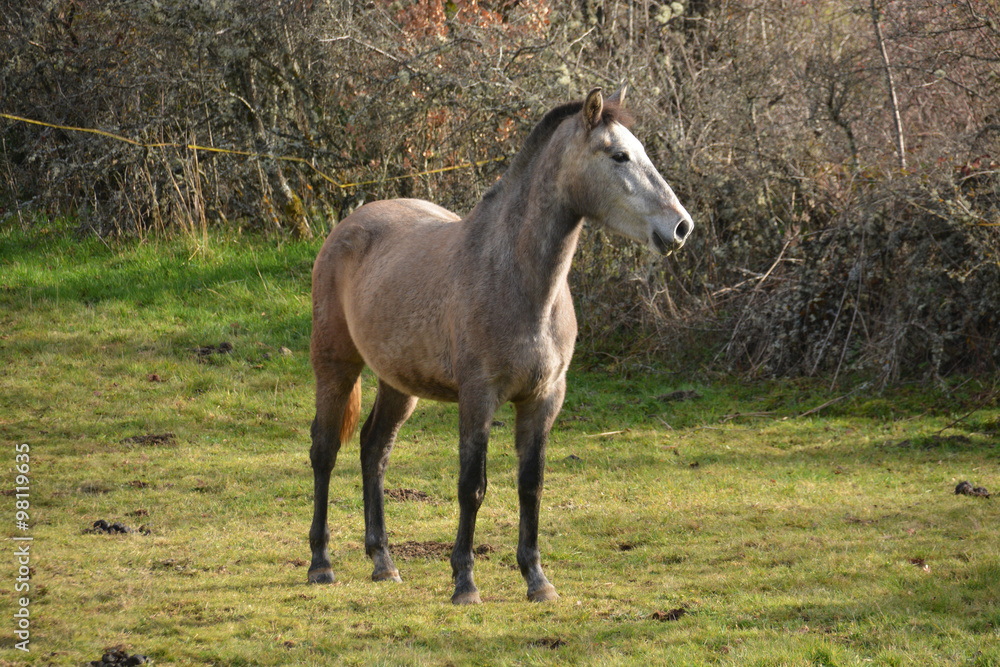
(473, 310)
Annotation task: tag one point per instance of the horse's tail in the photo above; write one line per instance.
(352, 413)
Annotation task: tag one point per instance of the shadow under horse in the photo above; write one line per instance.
(473, 310)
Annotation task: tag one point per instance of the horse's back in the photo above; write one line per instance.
(383, 228)
(392, 217)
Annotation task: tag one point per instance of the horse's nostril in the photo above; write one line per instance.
(682, 231)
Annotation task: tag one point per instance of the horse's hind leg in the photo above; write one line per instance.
(337, 400)
(378, 435)
(534, 420)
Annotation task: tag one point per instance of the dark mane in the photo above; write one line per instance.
(544, 130)
(617, 113)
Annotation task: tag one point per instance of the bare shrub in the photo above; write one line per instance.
(163, 76)
(904, 282)
(813, 251)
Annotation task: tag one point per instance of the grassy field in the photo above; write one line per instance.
(688, 519)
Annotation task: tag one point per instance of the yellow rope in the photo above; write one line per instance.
(213, 149)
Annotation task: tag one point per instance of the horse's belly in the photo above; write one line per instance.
(419, 364)
(421, 386)
(417, 373)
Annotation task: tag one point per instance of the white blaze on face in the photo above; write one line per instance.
(635, 201)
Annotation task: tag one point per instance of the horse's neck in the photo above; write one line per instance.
(534, 237)
(546, 239)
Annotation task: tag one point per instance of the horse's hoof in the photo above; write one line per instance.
(324, 576)
(544, 594)
(466, 598)
(387, 575)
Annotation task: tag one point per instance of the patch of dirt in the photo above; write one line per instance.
(181, 566)
(966, 489)
(102, 527)
(208, 350)
(549, 642)
(407, 495)
(154, 439)
(94, 487)
(672, 615)
(434, 550)
(859, 520)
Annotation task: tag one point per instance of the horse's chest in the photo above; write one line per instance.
(542, 367)
(530, 363)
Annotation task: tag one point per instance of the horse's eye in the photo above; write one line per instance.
(620, 157)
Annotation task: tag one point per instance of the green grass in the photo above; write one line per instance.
(833, 538)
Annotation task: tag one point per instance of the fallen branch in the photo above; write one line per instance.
(833, 401)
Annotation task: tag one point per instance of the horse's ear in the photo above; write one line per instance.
(593, 108)
(619, 95)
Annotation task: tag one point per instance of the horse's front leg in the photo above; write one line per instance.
(534, 421)
(475, 416)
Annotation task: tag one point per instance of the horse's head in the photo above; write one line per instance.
(613, 183)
